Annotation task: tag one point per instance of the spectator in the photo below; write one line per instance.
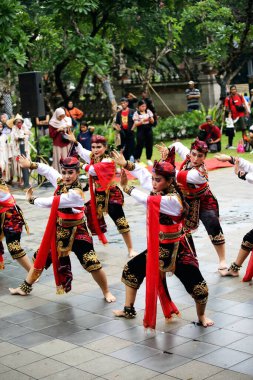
(211, 134)
(235, 103)
(4, 152)
(20, 146)
(58, 126)
(143, 121)
(132, 99)
(6, 126)
(42, 123)
(85, 134)
(251, 99)
(230, 130)
(246, 97)
(192, 95)
(251, 107)
(150, 106)
(124, 123)
(74, 113)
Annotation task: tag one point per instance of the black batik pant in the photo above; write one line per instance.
(144, 139)
(13, 244)
(210, 219)
(134, 273)
(117, 214)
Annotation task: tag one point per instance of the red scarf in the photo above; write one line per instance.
(6, 205)
(94, 216)
(105, 172)
(249, 272)
(154, 284)
(49, 241)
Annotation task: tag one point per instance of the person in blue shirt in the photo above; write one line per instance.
(85, 134)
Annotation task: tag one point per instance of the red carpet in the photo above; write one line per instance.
(211, 164)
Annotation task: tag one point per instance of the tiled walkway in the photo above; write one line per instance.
(75, 336)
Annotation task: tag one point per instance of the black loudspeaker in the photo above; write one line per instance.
(31, 94)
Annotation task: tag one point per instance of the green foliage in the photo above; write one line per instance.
(45, 146)
(77, 40)
(14, 38)
(219, 27)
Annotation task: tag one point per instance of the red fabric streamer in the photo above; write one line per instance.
(105, 172)
(249, 272)
(152, 264)
(168, 306)
(155, 285)
(49, 242)
(98, 231)
(6, 205)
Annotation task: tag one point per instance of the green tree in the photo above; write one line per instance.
(223, 31)
(14, 42)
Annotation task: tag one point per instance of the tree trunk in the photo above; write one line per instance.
(8, 104)
(109, 92)
(223, 84)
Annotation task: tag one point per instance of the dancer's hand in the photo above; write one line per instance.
(29, 194)
(118, 158)
(23, 162)
(163, 150)
(237, 167)
(70, 136)
(123, 179)
(222, 157)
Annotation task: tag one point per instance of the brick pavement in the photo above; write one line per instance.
(47, 336)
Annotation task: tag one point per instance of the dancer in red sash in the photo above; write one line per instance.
(168, 248)
(11, 226)
(107, 197)
(244, 171)
(66, 230)
(193, 181)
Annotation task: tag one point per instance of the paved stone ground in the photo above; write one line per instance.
(47, 336)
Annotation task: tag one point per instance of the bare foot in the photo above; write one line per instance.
(119, 313)
(222, 265)
(17, 291)
(109, 297)
(122, 313)
(205, 322)
(132, 253)
(228, 272)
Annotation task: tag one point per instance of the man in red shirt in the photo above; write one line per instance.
(211, 135)
(235, 103)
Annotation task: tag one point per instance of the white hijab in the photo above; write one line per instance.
(54, 122)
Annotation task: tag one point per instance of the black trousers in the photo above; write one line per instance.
(144, 139)
(127, 143)
(116, 213)
(210, 219)
(247, 242)
(135, 272)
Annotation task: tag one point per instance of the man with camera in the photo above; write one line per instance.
(211, 134)
(236, 105)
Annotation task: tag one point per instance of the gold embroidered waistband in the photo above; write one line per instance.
(69, 223)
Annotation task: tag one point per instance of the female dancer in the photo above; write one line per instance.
(193, 181)
(244, 171)
(66, 230)
(168, 249)
(108, 196)
(11, 226)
